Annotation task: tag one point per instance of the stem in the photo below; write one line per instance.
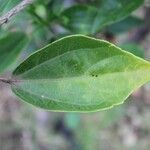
(4, 19)
(7, 81)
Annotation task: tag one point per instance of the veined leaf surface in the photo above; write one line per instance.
(79, 73)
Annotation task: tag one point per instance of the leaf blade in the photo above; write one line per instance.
(81, 76)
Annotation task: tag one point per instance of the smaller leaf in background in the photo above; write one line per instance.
(125, 25)
(133, 48)
(72, 120)
(38, 14)
(79, 18)
(10, 47)
(3, 4)
(111, 11)
(57, 6)
(45, 12)
(79, 73)
(6, 5)
(87, 19)
(40, 10)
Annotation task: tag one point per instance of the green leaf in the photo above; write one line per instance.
(79, 73)
(57, 6)
(10, 47)
(133, 48)
(6, 5)
(86, 19)
(125, 25)
(79, 18)
(72, 121)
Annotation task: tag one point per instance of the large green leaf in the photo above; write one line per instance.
(78, 73)
(10, 47)
(87, 19)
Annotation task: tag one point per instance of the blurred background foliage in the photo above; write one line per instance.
(24, 127)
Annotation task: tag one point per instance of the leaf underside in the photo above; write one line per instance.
(79, 73)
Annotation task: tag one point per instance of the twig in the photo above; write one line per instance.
(8, 81)
(4, 19)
